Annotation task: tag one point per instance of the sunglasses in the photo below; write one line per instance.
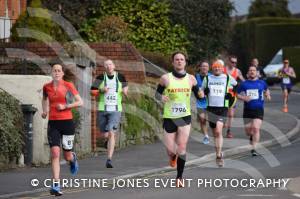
(233, 62)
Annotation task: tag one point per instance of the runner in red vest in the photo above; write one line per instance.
(233, 71)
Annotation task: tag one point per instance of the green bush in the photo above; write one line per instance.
(135, 123)
(11, 127)
(272, 37)
(249, 38)
(159, 59)
(292, 53)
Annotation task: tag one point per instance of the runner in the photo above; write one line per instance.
(286, 73)
(233, 71)
(260, 72)
(252, 92)
(174, 90)
(110, 85)
(216, 89)
(61, 128)
(201, 103)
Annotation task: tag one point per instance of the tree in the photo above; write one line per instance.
(269, 8)
(75, 11)
(207, 23)
(45, 26)
(148, 22)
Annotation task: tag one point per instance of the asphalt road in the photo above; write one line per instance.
(247, 177)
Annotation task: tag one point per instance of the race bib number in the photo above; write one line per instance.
(217, 91)
(67, 141)
(253, 94)
(286, 80)
(178, 109)
(111, 99)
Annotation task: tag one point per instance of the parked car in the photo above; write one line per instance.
(273, 68)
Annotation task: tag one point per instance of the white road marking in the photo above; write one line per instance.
(255, 195)
(296, 195)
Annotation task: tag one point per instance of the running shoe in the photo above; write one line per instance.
(254, 153)
(55, 190)
(74, 167)
(173, 161)
(179, 183)
(205, 140)
(229, 134)
(220, 161)
(285, 109)
(109, 164)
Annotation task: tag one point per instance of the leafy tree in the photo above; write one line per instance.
(269, 8)
(44, 26)
(75, 11)
(207, 23)
(107, 29)
(148, 23)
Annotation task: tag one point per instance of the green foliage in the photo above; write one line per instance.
(148, 22)
(135, 124)
(292, 53)
(11, 127)
(107, 29)
(75, 11)
(262, 38)
(77, 120)
(269, 8)
(45, 26)
(207, 23)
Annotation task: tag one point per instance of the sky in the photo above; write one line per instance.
(242, 6)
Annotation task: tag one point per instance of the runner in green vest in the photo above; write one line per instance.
(174, 90)
(110, 86)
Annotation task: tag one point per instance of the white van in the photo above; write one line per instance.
(273, 68)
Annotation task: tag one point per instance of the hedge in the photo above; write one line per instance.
(11, 128)
(272, 37)
(249, 38)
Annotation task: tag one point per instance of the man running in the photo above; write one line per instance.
(201, 103)
(174, 90)
(286, 73)
(234, 72)
(110, 86)
(260, 72)
(216, 89)
(61, 129)
(252, 92)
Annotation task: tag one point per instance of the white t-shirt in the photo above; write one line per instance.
(217, 89)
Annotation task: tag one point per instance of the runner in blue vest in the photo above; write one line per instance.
(201, 103)
(252, 92)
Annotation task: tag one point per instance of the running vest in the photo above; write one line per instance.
(285, 78)
(112, 100)
(234, 74)
(218, 90)
(179, 93)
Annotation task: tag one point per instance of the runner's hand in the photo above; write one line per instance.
(247, 98)
(105, 89)
(164, 98)
(44, 115)
(61, 107)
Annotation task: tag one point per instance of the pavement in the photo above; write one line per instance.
(143, 160)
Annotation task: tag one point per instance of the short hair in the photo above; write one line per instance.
(232, 56)
(251, 67)
(179, 52)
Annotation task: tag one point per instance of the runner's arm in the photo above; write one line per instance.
(268, 95)
(195, 88)
(292, 73)
(44, 104)
(240, 75)
(160, 89)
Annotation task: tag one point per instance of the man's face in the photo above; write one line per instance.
(252, 72)
(179, 62)
(204, 68)
(109, 66)
(217, 70)
(255, 62)
(233, 62)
